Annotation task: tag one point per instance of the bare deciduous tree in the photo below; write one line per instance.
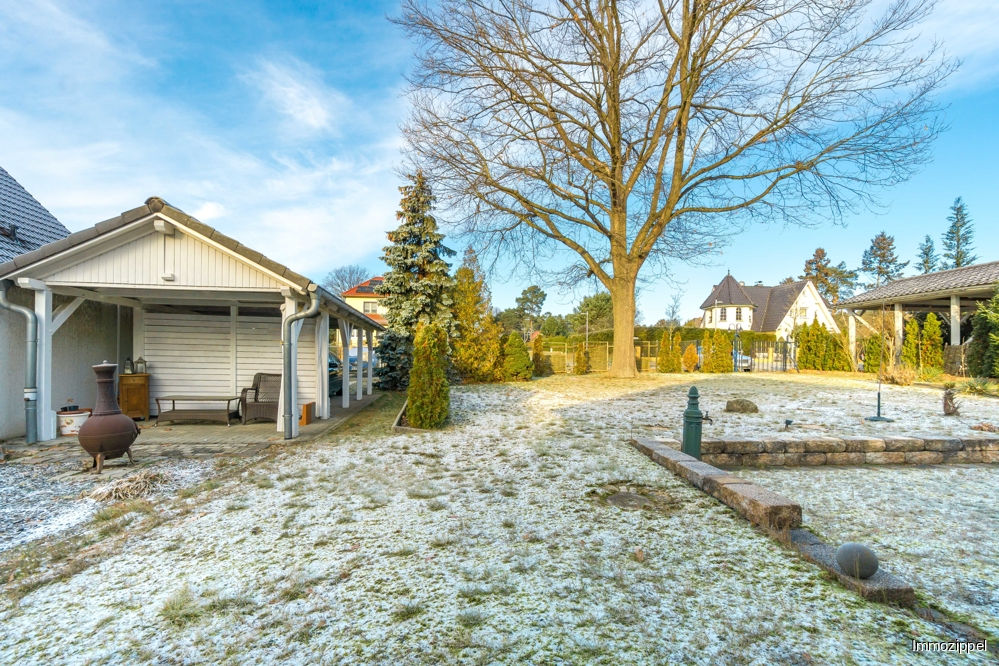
(343, 278)
(633, 133)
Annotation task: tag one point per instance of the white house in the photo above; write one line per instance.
(734, 305)
(205, 311)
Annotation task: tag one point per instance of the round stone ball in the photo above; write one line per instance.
(857, 560)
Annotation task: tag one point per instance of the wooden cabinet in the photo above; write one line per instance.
(133, 395)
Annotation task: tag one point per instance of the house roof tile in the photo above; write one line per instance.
(985, 276)
(35, 226)
(367, 289)
(727, 292)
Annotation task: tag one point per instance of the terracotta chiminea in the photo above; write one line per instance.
(107, 433)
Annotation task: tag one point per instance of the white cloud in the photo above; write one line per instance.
(209, 211)
(296, 91)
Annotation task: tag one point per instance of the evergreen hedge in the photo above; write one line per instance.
(820, 349)
(429, 393)
(517, 364)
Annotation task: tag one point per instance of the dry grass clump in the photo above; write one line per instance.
(984, 426)
(181, 608)
(900, 375)
(129, 487)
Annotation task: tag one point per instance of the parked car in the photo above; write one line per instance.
(743, 362)
(336, 375)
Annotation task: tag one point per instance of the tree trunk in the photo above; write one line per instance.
(623, 298)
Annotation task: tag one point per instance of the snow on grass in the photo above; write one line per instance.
(489, 541)
(936, 527)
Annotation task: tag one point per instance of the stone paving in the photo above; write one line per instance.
(171, 441)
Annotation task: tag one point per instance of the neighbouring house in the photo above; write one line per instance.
(365, 297)
(89, 337)
(204, 311)
(735, 305)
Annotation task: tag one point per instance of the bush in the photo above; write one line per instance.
(983, 350)
(581, 361)
(669, 359)
(872, 353)
(901, 375)
(690, 358)
(517, 364)
(542, 365)
(910, 344)
(931, 346)
(429, 393)
(722, 352)
(979, 386)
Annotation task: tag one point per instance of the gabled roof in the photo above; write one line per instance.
(778, 303)
(367, 289)
(34, 226)
(155, 205)
(980, 277)
(728, 292)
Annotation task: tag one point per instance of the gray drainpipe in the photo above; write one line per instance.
(312, 311)
(30, 364)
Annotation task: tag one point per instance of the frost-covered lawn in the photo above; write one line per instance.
(489, 542)
(936, 527)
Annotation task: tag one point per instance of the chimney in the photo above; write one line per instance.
(742, 284)
(759, 283)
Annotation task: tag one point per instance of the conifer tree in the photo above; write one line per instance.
(417, 286)
(873, 353)
(689, 358)
(881, 262)
(517, 364)
(707, 352)
(910, 344)
(669, 359)
(833, 282)
(983, 350)
(581, 361)
(957, 247)
(927, 259)
(931, 345)
(476, 345)
(722, 351)
(429, 394)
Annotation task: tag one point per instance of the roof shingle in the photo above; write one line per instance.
(35, 225)
(984, 275)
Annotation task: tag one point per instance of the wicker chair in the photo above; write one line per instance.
(260, 401)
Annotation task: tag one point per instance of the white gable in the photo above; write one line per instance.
(155, 259)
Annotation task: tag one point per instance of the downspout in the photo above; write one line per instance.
(311, 311)
(30, 364)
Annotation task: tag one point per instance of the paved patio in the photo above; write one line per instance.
(173, 440)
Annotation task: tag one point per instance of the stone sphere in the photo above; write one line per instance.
(857, 560)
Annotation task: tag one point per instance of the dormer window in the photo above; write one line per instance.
(738, 314)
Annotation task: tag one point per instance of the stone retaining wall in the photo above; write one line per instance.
(849, 450)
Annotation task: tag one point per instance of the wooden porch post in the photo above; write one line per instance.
(955, 320)
(852, 335)
(360, 365)
(345, 363)
(322, 366)
(371, 360)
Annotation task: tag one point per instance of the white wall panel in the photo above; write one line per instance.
(187, 354)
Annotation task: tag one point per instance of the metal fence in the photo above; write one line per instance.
(780, 356)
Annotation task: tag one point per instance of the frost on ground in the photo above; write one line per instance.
(488, 542)
(936, 527)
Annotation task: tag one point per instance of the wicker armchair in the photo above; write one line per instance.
(260, 401)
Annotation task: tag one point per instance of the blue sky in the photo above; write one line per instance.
(258, 117)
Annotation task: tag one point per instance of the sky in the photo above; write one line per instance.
(261, 118)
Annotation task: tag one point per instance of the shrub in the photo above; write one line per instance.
(872, 353)
(689, 358)
(542, 365)
(931, 345)
(517, 364)
(581, 361)
(722, 352)
(910, 344)
(978, 386)
(983, 351)
(429, 393)
(669, 359)
(707, 352)
(902, 375)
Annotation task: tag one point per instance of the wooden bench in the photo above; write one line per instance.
(223, 413)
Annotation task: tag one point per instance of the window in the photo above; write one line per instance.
(723, 314)
(802, 313)
(709, 316)
(370, 307)
(738, 314)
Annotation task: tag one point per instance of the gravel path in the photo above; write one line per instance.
(489, 542)
(936, 527)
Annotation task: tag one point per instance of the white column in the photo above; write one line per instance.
(322, 366)
(360, 364)
(852, 335)
(290, 308)
(371, 361)
(46, 415)
(344, 363)
(955, 320)
(898, 331)
(233, 327)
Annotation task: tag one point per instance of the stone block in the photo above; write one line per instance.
(660, 453)
(885, 458)
(990, 456)
(846, 458)
(825, 445)
(863, 444)
(669, 443)
(923, 458)
(712, 445)
(804, 459)
(782, 445)
(761, 506)
(793, 445)
(962, 457)
(980, 444)
(713, 482)
(723, 459)
(941, 443)
(695, 471)
(763, 459)
(904, 444)
(882, 586)
(743, 446)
